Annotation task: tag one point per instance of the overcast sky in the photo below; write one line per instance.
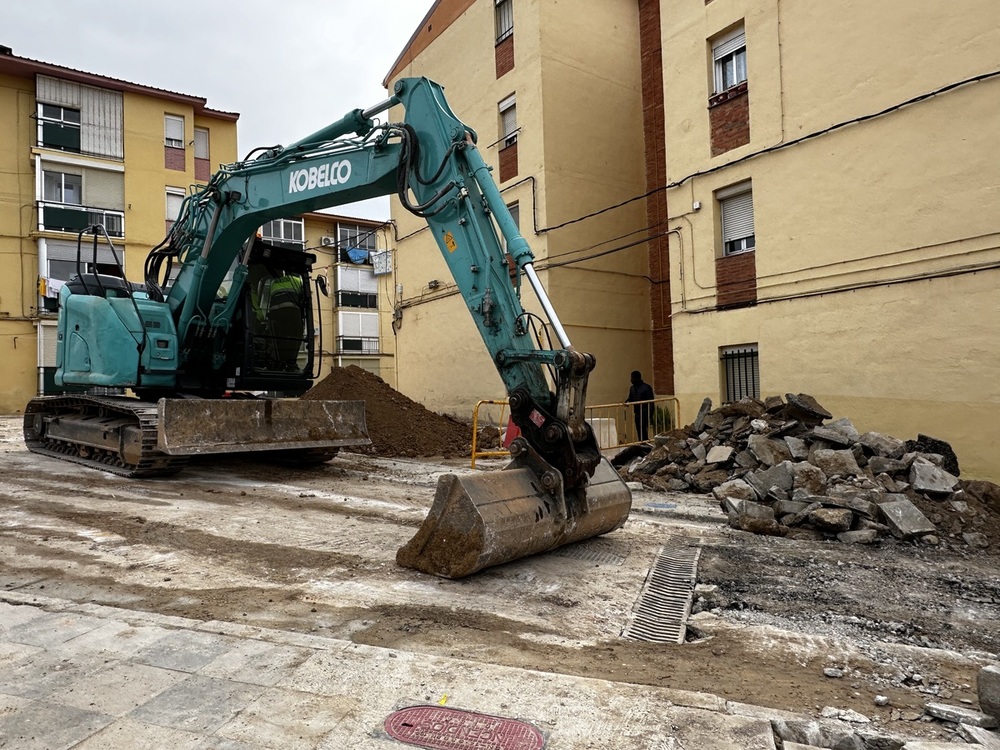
(288, 67)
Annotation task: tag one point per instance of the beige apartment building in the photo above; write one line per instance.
(742, 197)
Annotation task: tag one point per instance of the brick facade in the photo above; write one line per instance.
(654, 133)
(505, 56)
(736, 280)
(508, 162)
(729, 119)
(173, 158)
(202, 169)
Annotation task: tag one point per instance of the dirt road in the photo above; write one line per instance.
(314, 550)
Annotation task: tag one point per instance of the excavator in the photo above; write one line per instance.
(223, 317)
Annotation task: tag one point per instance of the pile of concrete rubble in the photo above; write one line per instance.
(779, 467)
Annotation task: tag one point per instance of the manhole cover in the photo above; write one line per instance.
(452, 729)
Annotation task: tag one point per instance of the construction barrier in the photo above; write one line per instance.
(615, 425)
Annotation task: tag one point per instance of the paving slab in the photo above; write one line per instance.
(117, 688)
(198, 704)
(47, 726)
(185, 650)
(52, 629)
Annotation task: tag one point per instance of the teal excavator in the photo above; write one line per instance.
(222, 314)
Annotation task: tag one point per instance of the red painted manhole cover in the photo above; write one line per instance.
(451, 729)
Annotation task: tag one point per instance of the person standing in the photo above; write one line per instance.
(640, 391)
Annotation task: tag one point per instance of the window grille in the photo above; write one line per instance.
(504, 19)
(741, 372)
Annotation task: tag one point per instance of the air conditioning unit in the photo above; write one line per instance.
(327, 241)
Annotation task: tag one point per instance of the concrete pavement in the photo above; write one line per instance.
(91, 677)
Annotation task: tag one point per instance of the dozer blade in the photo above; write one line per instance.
(489, 519)
(203, 426)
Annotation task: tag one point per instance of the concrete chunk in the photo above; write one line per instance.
(808, 477)
(883, 465)
(836, 463)
(988, 684)
(882, 445)
(798, 448)
(767, 451)
(731, 493)
(720, 454)
(905, 520)
(832, 436)
(805, 408)
(831, 519)
(982, 738)
(960, 715)
(777, 476)
(931, 480)
(756, 518)
(861, 536)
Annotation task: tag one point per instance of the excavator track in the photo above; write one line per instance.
(118, 435)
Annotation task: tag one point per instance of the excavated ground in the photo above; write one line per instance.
(313, 550)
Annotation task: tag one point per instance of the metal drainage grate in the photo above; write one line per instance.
(441, 728)
(663, 607)
(587, 553)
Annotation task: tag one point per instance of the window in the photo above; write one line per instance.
(740, 372)
(59, 127)
(284, 233)
(357, 333)
(736, 206)
(200, 143)
(355, 236)
(357, 299)
(508, 121)
(60, 187)
(504, 19)
(173, 131)
(729, 54)
(515, 214)
(175, 197)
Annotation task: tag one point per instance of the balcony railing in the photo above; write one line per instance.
(64, 217)
(357, 345)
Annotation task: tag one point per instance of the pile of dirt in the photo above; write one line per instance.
(397, 425)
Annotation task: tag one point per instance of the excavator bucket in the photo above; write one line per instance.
(202, 426)
(483, 520)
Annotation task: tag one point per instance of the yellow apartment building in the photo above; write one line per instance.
(560, 122)
(78, 149)
(741, 197)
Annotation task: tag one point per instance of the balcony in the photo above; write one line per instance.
(357, 345)
(64, 217)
